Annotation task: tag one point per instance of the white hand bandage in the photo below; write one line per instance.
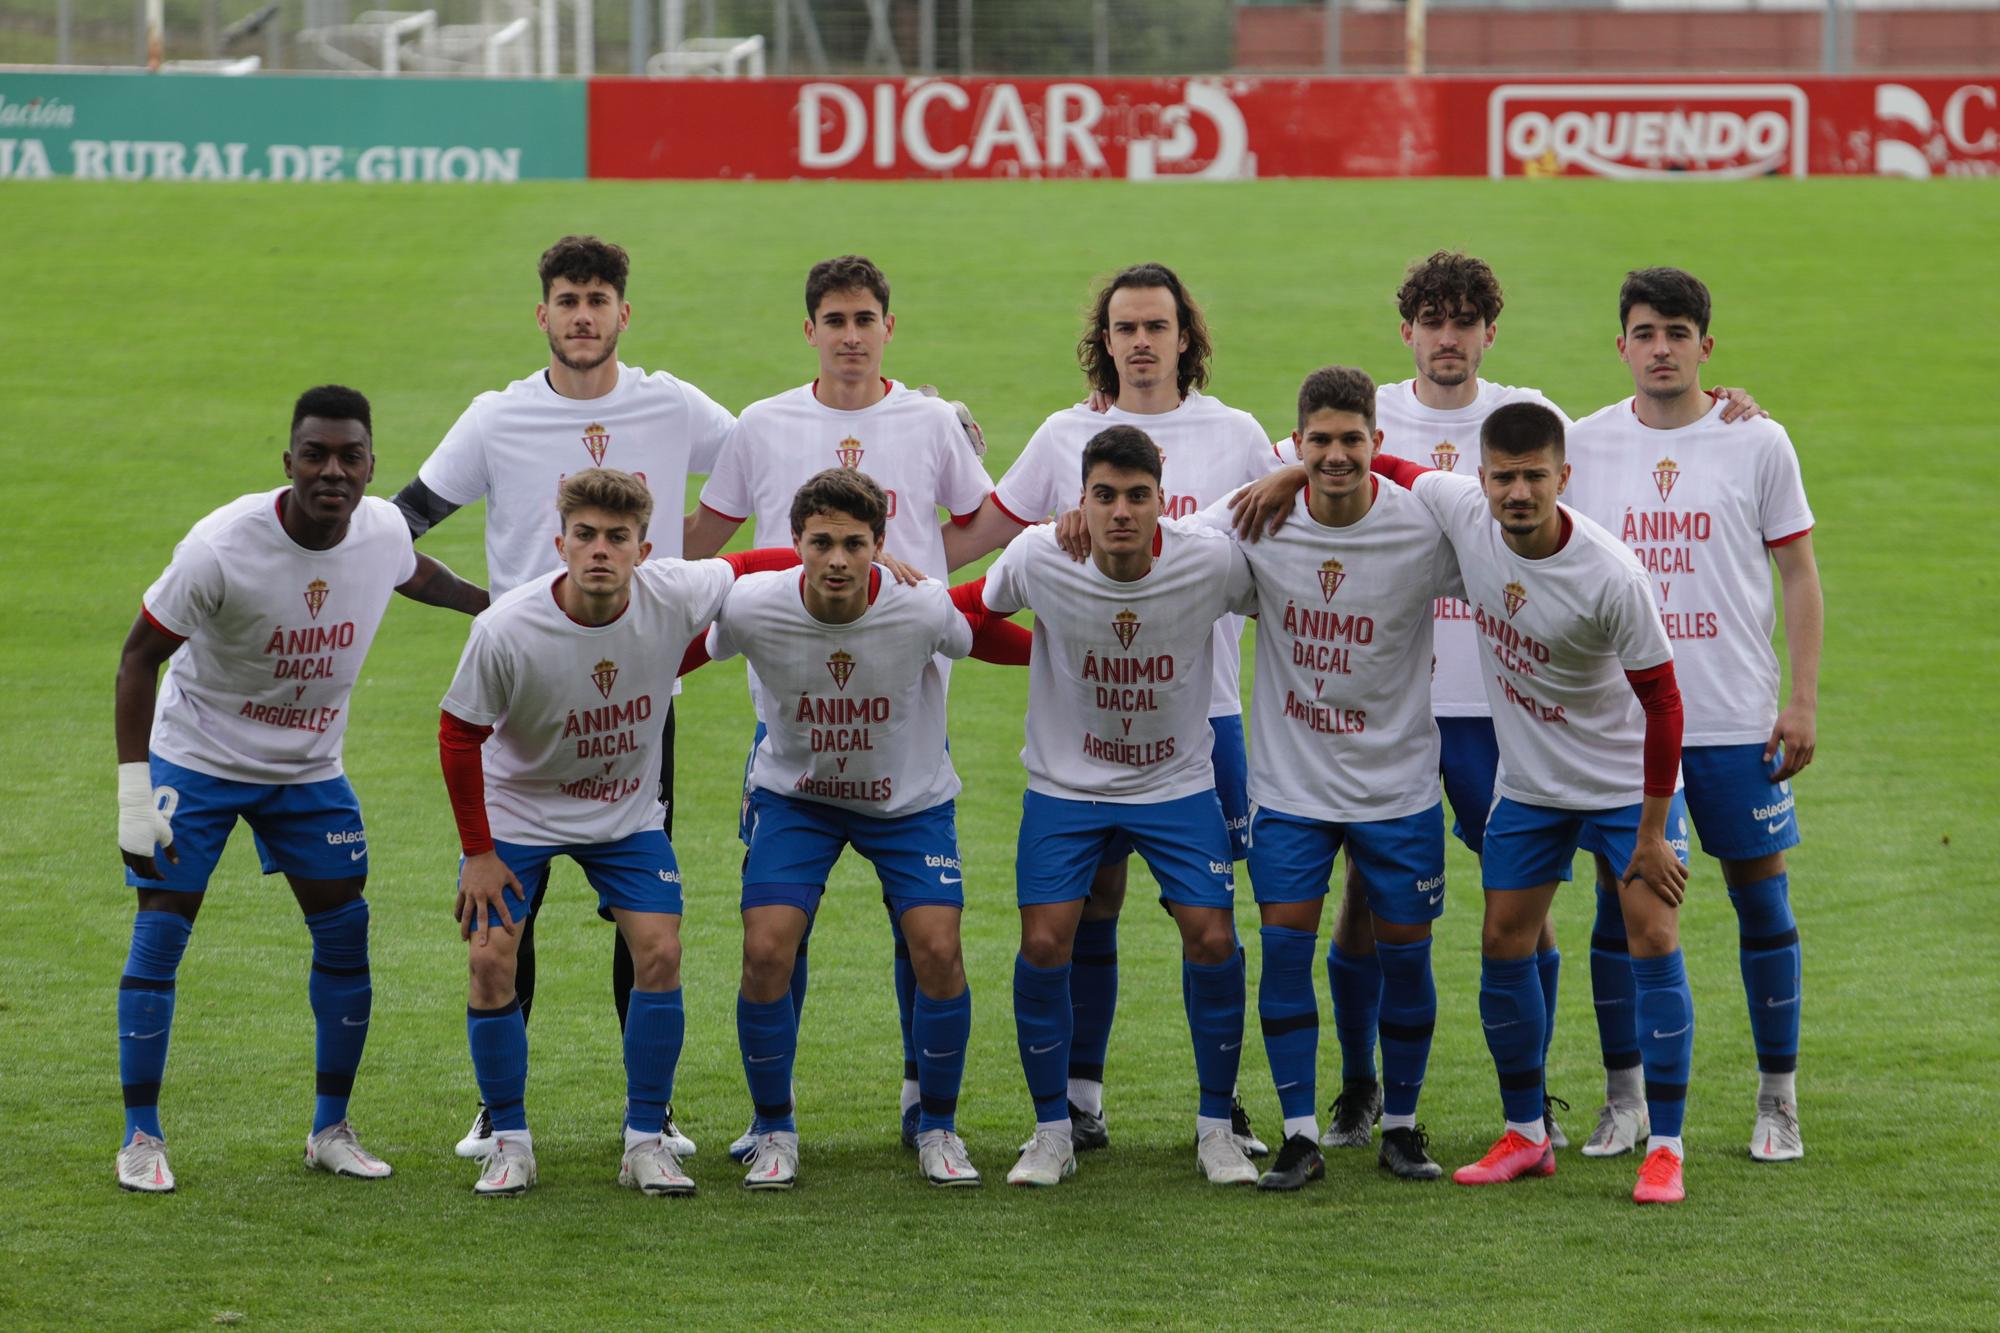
(141, 823)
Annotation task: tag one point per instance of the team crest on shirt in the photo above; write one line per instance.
(1665, 473)
(597, 440)
(1445, 457)
(1515, 595)
(316, 596)
(1331, 576)
(840, 666)
(1126, 626)
(848, 451)
(604, 676)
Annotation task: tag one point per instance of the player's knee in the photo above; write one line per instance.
(1656, 936)
(767, 962)
(1505, 937)
(656, 963)
(492, 975)
(939, 964)
(1043, 944)
(1209, 942)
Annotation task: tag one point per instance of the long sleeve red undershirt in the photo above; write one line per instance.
(1660, 695)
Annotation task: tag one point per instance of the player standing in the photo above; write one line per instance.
(514, 447)
(1586, 759)
(262, 618)
(1118, 748)
(1708, 512)
(914, 445)
(853, 754)
(549, 739)
(1145, 351)
(1344, 757)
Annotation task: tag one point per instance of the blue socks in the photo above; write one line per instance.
(1666, 1038)
(146, 1014)
(1772, 967)
(342, 997)
(1289, 1013)
(1213, 993)
(768, 1035)
(1043, 1026)
(1409, 1015)
(941, 1029)
(654, 1027)
(1356, 983)
(1093, 993)
(1548, 965)
(1511, 1011)
(499, 1041)
(1611, 986)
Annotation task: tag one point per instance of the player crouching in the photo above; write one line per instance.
(550, 743)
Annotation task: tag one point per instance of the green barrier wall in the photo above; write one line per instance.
(134, 126)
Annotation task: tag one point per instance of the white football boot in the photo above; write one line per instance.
(1049, 1159)
(142, 1165)
(1222, 1160)
(478, 1141)
(651, 1167)
(941, 1156)
(1620, 1126)
(1776, 1138)
(508, 1170)
(774, 1162)
(335, 1149)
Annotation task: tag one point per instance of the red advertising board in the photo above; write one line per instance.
(1238, 128)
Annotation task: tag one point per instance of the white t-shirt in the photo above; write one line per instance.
(1699, 506)
(1340, 717)
(513, 449)
(275, 638)
(1207, 450)
(911, 444)
(1556, 637)
(1449, 442)
(577, 709)
(1118, 684)
(854, 713)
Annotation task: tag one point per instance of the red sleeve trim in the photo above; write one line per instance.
(960, 520)
(717, 512)
(154, 621)
(762, 560)
(1776, 542)
(1399, 470)
(1659, 694)
(465, 780)
(999, 505)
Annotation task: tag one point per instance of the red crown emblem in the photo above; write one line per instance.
(597, 440)
(1331, 576)
(315, 596)
(848, 451)
(1445, 457)
(604, 676)
(1126, 626)
(840, 666)
(1665, 473)
(1515, 595)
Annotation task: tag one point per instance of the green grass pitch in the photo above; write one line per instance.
(154, 338)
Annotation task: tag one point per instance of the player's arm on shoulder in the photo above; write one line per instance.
(141, 824)
(990, 528)
(453, 476)
(1805, 632)
(1738, 405)
(1263, 506)
(435, 585)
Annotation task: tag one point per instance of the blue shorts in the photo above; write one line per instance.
(1469, 758)
(1400, 861)
(1184, 842)
(637, 873)
(794, 843)
(1738, 811)
(1531, 845)
(1232, 788)
(309, 830)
